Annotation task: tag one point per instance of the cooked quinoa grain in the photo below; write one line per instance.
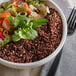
(26, 51)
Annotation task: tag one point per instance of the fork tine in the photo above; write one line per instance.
(70, 16)
(74, 24)
(71, 23)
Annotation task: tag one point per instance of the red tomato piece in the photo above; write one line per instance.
(1, 35)
(28, 11)
(1, 21)
(25, 5)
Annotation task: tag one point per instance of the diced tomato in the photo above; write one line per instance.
(5, 14)
(28, 11)
(6, 24)
(1, 21)
(1, 35)
(25, 5)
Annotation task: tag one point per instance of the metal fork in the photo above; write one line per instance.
(72, 22)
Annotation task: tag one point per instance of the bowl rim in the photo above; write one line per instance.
(48, 58)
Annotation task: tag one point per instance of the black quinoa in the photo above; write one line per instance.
(26, 51)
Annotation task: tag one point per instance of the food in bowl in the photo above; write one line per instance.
(29, 30)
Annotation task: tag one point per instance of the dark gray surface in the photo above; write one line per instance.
(67, 66)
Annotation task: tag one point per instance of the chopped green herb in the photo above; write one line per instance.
(26, 27)
(11, 20)
(25, 33)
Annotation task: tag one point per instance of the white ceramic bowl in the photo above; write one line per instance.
(51, 57)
